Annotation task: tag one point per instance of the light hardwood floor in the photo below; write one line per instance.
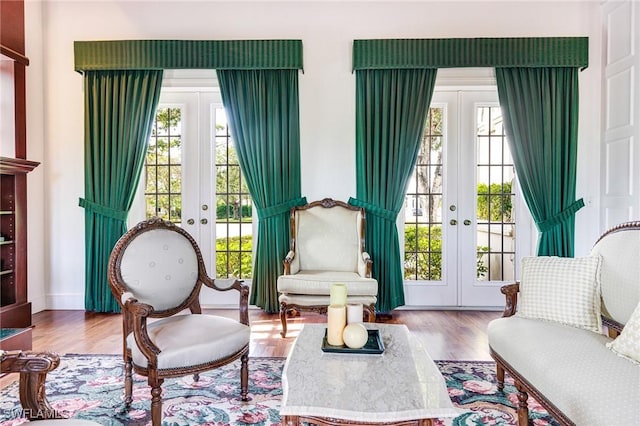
(454, 335)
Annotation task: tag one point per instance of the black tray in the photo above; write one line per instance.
(373, 346)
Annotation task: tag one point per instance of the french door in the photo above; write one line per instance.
(192, 178)
(463, 209)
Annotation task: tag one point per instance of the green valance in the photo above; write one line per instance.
(187, 54)
(471, 52)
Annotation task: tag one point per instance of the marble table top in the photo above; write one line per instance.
(402, 383)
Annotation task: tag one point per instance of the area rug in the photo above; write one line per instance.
(91, 387)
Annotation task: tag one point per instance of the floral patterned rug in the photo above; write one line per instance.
(91, 387)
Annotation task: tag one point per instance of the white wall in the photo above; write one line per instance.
(327, 92)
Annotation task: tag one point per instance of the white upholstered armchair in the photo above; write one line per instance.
(327, 246)
(156, 271)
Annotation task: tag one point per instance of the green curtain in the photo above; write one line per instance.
(540, 108)
(262, 111)
(98, 55)
(391, 111)
(119, 111)
(501, 52)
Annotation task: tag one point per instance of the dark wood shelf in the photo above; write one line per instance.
(16, 56)
(16, 165)
(15, 309)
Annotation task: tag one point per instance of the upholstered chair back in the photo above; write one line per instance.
(620, 286)
(160, 267)
(328, 239)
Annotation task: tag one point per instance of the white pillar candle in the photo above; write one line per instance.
(336, 321)
(338, 294)
(354, 313)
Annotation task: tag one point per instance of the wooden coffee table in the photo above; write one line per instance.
(401, 386)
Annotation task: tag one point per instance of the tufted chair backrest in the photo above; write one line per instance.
(158, 264)
(620, 270)
(328, 238)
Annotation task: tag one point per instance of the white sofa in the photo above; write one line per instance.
(571, 370)
(327, 246)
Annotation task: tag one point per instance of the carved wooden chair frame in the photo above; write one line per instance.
(135, 317)
(291, 309)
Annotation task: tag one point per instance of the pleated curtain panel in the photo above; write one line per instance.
(540, 108)
(391, 106)
(263, 115)
(538, 92)
(123, 78)
(119, 110)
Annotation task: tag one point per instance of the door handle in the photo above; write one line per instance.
(190, 222)
(467, 222)
(204, 221)
(453, 222)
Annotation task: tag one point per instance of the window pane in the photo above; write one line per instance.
(423, 205)
(495, 177)
(163, 166)
(233, 208)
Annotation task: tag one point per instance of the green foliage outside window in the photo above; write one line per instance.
(224, 212)
(423, 253)
(494, 202)
(230, 260)
(163, 166)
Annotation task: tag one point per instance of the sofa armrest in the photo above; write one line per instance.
(364, 265)
(511, 294)
(33, 368)
(289, 267)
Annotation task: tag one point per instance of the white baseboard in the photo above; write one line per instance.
(65, 301)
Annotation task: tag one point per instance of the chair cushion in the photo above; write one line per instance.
(321, 300)
(561, 289)
(189, 340)
(627, 344)
(572, 367)
(319, 283)
(328, 239)
(160, 268)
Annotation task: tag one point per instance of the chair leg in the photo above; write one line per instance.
(156, 403)
(283, 319)
(523, 408)
(244, 377)
(128, 382)
(500, 376)
(371, 312)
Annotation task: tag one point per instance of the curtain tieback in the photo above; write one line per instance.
(374, 210)
(103, 210)
(557, 219)
(284, 207)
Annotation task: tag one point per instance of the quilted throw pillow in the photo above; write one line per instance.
(561, 289)
(627, 344)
